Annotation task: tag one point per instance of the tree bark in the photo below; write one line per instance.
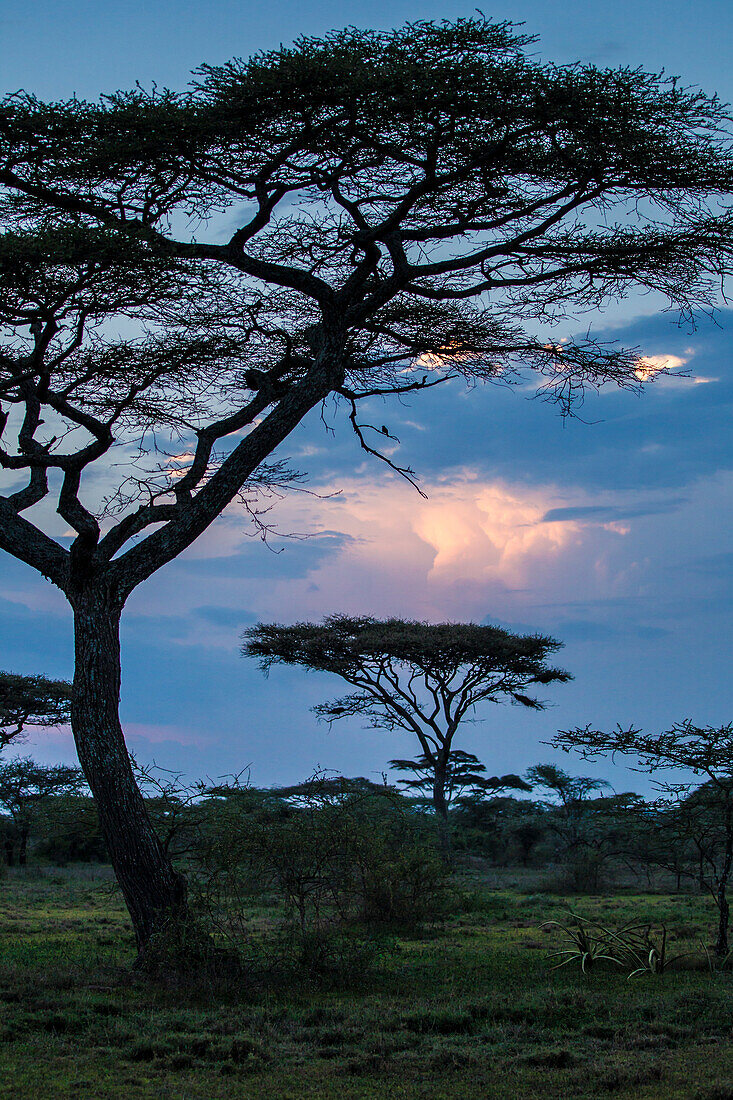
(23, 845)
(154, 892)
(721, 947)
(440, 805)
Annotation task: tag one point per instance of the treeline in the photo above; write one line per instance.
(336, 854)
(568, 826)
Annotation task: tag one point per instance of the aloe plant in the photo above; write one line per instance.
(590, 943)
(652, 958)
(632, 944)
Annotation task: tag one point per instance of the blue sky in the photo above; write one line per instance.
(611, 531)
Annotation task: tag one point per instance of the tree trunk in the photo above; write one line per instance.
(153, 891)
(23, 845)
(440, 805)
(721, 947)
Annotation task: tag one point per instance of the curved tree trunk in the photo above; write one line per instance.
(153, 891)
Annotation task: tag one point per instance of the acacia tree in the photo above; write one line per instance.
(24, 788)
(424, 678)
(591, 827)
(689, 810)
(184, 276)
(465, 777)
(31, 700)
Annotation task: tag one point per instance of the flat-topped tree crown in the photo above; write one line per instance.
(403, 204)
(348, 644)
(184, 276)
(466, 778)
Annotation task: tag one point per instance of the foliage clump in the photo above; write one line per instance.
(346, 860)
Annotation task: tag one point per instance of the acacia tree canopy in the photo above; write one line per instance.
(465, 778)
(404, 202)
(184, 276)
(31, 700)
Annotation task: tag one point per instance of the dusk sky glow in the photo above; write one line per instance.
(610, 531)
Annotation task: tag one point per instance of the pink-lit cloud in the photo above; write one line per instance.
(474, 547)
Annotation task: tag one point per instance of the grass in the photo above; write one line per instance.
(468, 1009)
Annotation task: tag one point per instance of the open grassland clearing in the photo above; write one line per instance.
(467, 1008)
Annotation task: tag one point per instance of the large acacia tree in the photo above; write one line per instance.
(423, 678)
(184, 276)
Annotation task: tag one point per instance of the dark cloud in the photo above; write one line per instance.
(714, 565)
(568, 630)
(667, 437)
(607, 513)
(589, 630)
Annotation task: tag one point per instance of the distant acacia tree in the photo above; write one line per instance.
(24, 788)
(689, 811)
(184, 276)
(424, 678)
(465, 777)
(573, 794)
(592, 827)
(31, 701)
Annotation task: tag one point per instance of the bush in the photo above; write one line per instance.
(68, 831)
(344, 864)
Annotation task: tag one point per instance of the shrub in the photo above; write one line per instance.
(344, 863)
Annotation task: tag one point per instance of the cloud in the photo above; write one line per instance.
(610, 513)
(474, 544)
(277, 557)
(488, 530)
(224, 616)
(651, 365)
(148, 733)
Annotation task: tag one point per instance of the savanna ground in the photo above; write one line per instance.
(467, 1008)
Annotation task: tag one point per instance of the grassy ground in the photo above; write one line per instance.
(466, 1010)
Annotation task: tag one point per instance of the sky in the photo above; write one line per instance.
(610, 531)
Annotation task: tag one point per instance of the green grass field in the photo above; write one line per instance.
(466, 1009)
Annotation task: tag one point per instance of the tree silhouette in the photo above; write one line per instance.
(465, 777)
(24, 787)
(184, 276)
(31, 701)
(424, 678)
(688, 810)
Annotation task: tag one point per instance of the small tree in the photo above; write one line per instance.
(698, 812)
(423, 678)
(31, 701)
(66, 830)
(574, 819)
(498, 828)
(465, 777)
(24, 787)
